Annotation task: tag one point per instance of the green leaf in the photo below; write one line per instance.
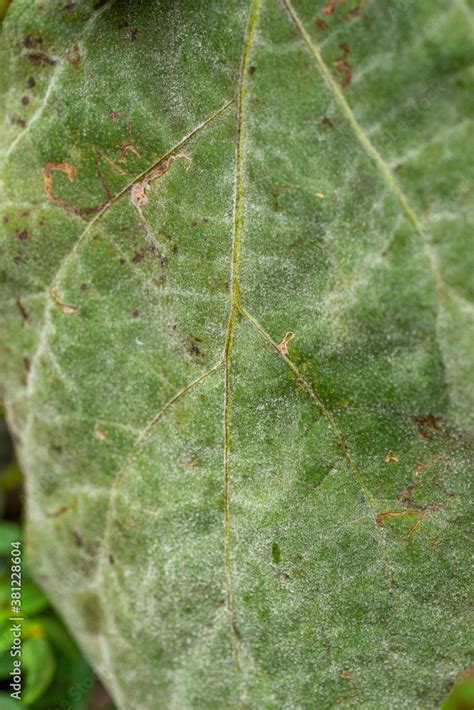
(33, 601)
(39, 665)
(8, 703)
(461, 696)
(6, 665)
(236, 357)
(9, 532)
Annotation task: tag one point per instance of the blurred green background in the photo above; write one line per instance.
(55, 674)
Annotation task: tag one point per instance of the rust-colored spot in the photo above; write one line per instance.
(63, 509)
(321, 24)
(127, 147)
(64, 307)
(346, 676)
(382, 517)
(343, 66)
(427, 424)
(329, 8)
(138, 193)
(74, 56)
(190, 464)
(70, 171)
(48, 170)
(282, 347)
(357, 10)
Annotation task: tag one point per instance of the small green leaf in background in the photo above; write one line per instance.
(39, 665)
(8, 703)
(54, 670)
(461, 696)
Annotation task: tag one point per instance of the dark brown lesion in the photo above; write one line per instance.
(357, 10)
(62, 510)
(41, 59)
(194, 346)
(23, 312)
(343, 66)
(428, 424)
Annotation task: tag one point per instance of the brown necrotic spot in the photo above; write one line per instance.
(64, 307)
(74, 56)
(427, 425)
(25, 100)
(343, 66)
(194, 346)
(41, 59)
(17, 120)
(30, 83)
(62, 510)
(23, 312)
(31, 42)
(77, 539)
(138, 257)
(357, 10)
(329, 7)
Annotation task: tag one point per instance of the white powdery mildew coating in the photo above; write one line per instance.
(328, 237)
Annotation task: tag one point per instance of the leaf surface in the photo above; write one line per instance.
(236, 307)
